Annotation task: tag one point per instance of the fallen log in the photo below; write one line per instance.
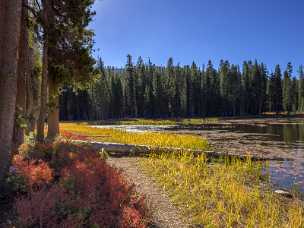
(120, 150)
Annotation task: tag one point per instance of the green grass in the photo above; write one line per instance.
(222, 194)
(149, 138)
(171, 121)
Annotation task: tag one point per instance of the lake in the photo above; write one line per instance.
(282, 138)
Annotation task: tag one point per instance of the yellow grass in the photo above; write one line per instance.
(144, 121)
(222, 194)
(149, 138)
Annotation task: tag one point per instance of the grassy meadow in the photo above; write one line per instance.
(222, 194)
(216, 193)
(156, 139)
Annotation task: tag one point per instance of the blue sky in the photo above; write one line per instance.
(271, 31)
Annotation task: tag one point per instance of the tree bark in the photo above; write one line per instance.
(2, 18)
(32, 94)
(10, 17)
(53, 117)
(23, 73)
(44, 83)
(43, 94)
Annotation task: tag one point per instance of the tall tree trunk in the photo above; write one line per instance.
(43, 94)
(44, 83)
(2, 28)
(23, 73)
(10, 17)
(31, 94)
(53, 117)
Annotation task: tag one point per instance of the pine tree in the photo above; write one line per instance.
(271, 96)
(301, 90)
(263, 90)
(25, 68)
(190, 88)
(149, 98)
(287, 86)
(276, 95)
(10, 32)
(149, 101)
(170, 86)
(131, 88)
(246, 88)
(176, 99)
(61, 26)
(116, 98)
(161, 94)
(46, 21)
(223, 74)
(203, 96)
(212, 88)
(196, 93)
(234, 90)
(103, 93)
(140, 85)
(294, 94)
(258, 87)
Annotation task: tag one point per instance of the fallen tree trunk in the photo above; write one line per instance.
(119, 149)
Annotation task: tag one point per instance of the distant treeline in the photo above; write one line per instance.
(147, 90)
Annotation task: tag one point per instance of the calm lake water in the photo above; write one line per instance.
(288, 137)
(284, 139)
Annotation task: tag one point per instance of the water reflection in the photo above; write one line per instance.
(291, 134)
(288, 174)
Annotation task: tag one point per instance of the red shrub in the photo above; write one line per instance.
(38, 207)
(132, 218)
(36, 172)
(89, 192)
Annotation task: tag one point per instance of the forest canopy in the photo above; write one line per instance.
(147, 90)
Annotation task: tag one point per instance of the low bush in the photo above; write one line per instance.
(36, 173)
(73, 188)
(36, 151)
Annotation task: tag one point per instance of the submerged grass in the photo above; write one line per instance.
(156, 139)
(222, 194)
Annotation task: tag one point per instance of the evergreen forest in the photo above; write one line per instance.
(146, 90)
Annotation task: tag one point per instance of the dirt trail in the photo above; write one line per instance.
(163, 212)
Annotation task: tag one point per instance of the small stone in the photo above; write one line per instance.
(283, 193)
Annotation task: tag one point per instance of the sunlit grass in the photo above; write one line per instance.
(149, 138)
(171, 121)
(222, 194)
(192, 121)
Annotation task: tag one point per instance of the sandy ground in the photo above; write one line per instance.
(163, 212)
